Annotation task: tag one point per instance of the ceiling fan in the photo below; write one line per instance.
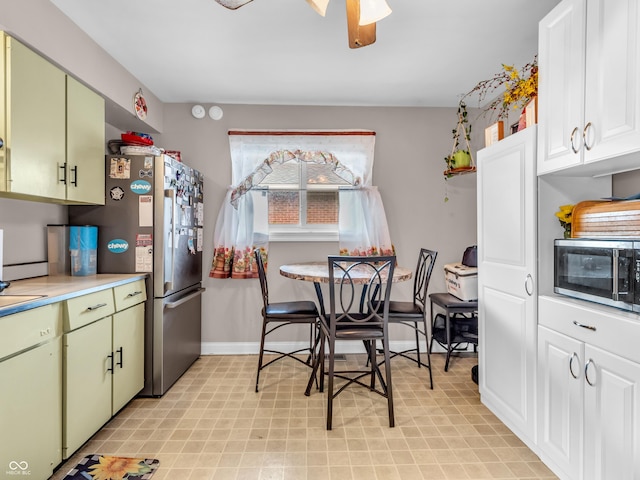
(362, 16)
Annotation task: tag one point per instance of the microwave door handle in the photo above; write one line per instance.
(616, 263)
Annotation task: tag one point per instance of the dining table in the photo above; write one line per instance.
(318, 273)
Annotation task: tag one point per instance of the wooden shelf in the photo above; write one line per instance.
(459, 171)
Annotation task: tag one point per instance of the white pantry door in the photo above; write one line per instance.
(507, 216)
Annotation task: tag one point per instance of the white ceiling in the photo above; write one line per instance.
(427, 53)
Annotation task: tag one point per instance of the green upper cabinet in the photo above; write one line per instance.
(34, 123)
(52, 131)
(85, 144)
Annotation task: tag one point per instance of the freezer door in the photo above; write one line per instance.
(176, 336)
(178, 227)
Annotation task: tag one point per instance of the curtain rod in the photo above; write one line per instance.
(300, 132)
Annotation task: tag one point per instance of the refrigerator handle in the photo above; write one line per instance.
(171, 193)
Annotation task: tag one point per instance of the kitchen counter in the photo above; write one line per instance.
(35, 292)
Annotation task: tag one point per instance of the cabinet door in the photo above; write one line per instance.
(35, 91)
(612, 416)
(612, 90)
(85, 144)
(87, 383)
(561, 49)
(560, 401)
(506, 279)
(128, 350)
(31, 412)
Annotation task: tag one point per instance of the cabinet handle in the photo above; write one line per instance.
(96, 307)
(528, 281)
(586, 372)
(587, 127)
(582, 325)
(110, 368)
(74, 182)
(573, 135)
(64, 173)
(133, 294)
(1, 143)
(575, 355)
(121, 357)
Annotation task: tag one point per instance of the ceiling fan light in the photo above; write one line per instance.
(372, 11)
(319, 6)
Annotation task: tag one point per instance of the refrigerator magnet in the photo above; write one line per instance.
(120, 168)
(145, 211)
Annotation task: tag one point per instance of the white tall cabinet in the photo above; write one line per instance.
(588, 392)
(507, 217)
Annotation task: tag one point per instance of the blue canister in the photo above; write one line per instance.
(83, 249)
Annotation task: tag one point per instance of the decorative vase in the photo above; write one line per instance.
(567, 230)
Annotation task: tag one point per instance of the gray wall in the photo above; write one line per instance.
(409, 160)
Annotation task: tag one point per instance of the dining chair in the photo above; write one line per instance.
(345, 321)
(414, 313)
(280, 314)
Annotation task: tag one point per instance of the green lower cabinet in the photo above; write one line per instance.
(128, 348)
(86, 383)
(30, 412)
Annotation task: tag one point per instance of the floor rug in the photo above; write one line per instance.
(106, 467)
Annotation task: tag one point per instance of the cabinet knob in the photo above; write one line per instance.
(1, 143)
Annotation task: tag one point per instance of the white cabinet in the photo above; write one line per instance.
(30, 393)
(51, 130)
(103, 359)
(589, 397)
(507, 217)
(589, 87)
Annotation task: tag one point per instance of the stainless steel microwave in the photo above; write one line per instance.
(602, 271)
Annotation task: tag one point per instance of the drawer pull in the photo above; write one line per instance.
(575, 355)
(134, 294)
(582, 325)
(96, 307)
(45, 332)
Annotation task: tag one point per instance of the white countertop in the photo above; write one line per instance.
(52, 289)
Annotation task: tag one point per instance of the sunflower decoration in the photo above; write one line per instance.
(565, 214)
(118, 468)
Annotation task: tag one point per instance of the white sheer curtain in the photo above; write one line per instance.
(242, 223)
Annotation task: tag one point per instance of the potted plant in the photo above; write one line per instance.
(460, 157)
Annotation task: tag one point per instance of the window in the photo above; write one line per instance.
(303, 201)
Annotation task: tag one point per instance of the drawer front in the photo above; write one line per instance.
(83, 310)
(130, 294)
(29, 328)
(604, 327)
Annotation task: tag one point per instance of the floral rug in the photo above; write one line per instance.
(105, 467)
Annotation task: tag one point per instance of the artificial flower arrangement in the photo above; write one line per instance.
(521, 86)
(565, 214)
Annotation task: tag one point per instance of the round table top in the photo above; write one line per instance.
(318, 272)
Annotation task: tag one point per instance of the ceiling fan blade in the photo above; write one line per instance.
(233, 4)
(359, 35)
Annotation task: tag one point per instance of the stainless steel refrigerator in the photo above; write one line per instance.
(152, 222)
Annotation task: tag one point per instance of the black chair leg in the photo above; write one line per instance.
(261, 355)
(428, 353)
(332, 345)
(389, 389)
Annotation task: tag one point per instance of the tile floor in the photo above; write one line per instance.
(212, 425)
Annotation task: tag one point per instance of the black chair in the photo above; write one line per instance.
(346, 321)
(414, 314)
(277, 315)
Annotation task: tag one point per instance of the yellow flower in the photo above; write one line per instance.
(116, 468)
